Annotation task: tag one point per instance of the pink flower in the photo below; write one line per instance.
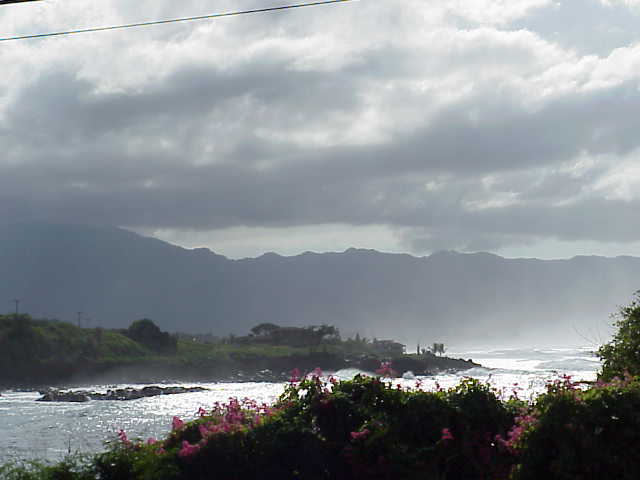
(188, 450)
(385, 370)
(151, 441)
(123, 437)
(317, 372)
(295, 375)
(202, 412)
(446, 434)
(208, 429)
(360, 435)
(523, 423)
(177, 424)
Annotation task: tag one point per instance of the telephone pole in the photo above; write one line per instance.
(80, 319)
(17, 302)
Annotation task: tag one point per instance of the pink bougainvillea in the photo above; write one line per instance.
(122, 436)
(177, 424)
(446, 435)
(385, 370)
(188, 450)
(360, 435)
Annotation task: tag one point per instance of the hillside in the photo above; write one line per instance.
(45, 352)
(115, 276)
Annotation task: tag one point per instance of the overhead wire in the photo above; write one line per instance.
(174, 20)
(7, 2)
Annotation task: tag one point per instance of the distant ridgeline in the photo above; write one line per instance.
(475, 299)
(43, 352)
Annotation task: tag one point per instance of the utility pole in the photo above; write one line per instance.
(80, 319)
(17, 302)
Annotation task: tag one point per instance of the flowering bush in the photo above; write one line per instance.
(570, 433)
(364, 428)
(385, 370)
(368, 429)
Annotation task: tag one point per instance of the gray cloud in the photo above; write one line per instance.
(592, 27)
(460, 135)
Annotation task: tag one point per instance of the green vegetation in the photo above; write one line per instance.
(572, 434)
(147, 333)
(37, 352)
(33, 350)
(368, 428)
(621, 356)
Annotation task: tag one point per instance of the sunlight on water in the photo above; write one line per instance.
(42, 430)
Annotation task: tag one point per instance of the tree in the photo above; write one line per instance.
(325, 333)
(622, 354)
(147, 333)
(438, 348)
(264, 329)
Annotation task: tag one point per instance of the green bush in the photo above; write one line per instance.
(147, 333)
(572, 434)
(621, 356)
(370, 429)
(74, 467)
(363, 428)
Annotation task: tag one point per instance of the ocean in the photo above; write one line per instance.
(31, 430)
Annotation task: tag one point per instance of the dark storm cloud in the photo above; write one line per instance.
(466, 145)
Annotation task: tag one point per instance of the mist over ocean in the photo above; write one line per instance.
(48, 431)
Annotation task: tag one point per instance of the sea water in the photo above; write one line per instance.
(50, 430)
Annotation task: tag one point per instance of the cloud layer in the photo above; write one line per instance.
(475, 125)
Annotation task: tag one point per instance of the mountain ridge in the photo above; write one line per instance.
(116, 276)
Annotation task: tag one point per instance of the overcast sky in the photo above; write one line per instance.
(509, 126)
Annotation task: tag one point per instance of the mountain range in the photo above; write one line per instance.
(114, 276)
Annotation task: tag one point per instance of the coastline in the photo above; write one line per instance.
(240, 369)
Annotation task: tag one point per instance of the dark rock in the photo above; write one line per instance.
(59, 396)
(117, 394)
(427, 364)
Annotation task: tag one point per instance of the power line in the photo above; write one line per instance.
(174, 20)
(7, 2)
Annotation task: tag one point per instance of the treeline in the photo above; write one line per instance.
(43, 352)
(33, 351)
(310, 336)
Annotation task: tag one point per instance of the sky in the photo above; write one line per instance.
(508, 126)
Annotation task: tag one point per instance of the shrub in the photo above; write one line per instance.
(74, 467)
(573, 434)
(363, 428)
(622, 355)
(147, 333)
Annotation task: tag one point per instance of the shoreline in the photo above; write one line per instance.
(265, 369)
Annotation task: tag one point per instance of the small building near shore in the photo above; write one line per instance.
(388, 347)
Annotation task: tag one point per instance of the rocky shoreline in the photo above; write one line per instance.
(256, 370)
(121, 394)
